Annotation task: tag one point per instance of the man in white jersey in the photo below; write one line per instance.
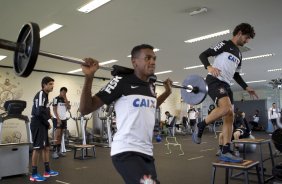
(273, 115)
(225, 68)
(192, 115)
(60, 107)
(135, 106)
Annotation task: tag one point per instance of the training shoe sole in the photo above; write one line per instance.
(226, 159)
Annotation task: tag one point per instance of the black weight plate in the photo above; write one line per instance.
(26, 54)
(199, 93)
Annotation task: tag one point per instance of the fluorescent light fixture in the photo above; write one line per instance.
(241, 74)
(108, 62)
(193, 67)
(2, 57)
(175, 82)
(208, 36)
(101, 64)
(49, 29)
(256, 57)
(255, 81)
(92, 5)
(274, 70)
(155, 50)
(75, 71)
(163, 72)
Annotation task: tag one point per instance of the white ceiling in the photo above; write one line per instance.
(111, 31)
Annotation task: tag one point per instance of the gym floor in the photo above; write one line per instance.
(192, 167)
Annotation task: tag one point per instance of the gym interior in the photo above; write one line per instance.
(167, 25)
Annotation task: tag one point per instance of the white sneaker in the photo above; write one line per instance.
(55, 155)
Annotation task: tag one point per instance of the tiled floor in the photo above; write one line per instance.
(192, 167)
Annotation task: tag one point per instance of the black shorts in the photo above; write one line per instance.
(63, 124)
(218, 89)
(39, 134)
(135, 167)
(192, 122)
(243, 133)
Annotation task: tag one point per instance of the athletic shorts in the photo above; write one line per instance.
(63, 124)
(243, 133)
(135, 168)
(39, 134)
(192, 122)
(218, 89)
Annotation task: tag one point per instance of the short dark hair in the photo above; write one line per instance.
(46, 80)
(246, 29)
(166, 112)
(136, 50)
(64, 89)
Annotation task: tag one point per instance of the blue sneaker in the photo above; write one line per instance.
(50, 173)
(228, 157)
(37, 177)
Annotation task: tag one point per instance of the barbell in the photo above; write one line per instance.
(27, 48)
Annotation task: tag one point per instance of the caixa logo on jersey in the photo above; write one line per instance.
(112, 84)
(234, 59)
(143, 102)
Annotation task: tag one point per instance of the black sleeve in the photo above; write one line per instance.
(246, 125)
(218, 49)
(112, 90)
(43, 114)
(237, 77)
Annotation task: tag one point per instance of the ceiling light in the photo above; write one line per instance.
(207, 36)
(108, 62)
(92, 5)
(101, 64)
(274, 70)
(2, 57)
(163, 72)
(175, 82)
(255, 81)
(75, 71)
(155, 50)
(49, 29)
(192, 67)
(241, 74)
(256, 57)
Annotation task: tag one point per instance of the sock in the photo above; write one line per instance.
(47, 167)
(59, 148)
(220, 147)
(34, 170)
(226, 148)
(54, 148)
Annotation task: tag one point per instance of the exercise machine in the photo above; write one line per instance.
(14, 157)
(108, 128)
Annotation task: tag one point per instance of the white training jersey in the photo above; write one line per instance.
(192, 113)
(273, 113)
(135, 106)
(228, 60)
(59, 103)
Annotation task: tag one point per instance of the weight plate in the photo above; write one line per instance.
(199, 92)
(26, 54)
